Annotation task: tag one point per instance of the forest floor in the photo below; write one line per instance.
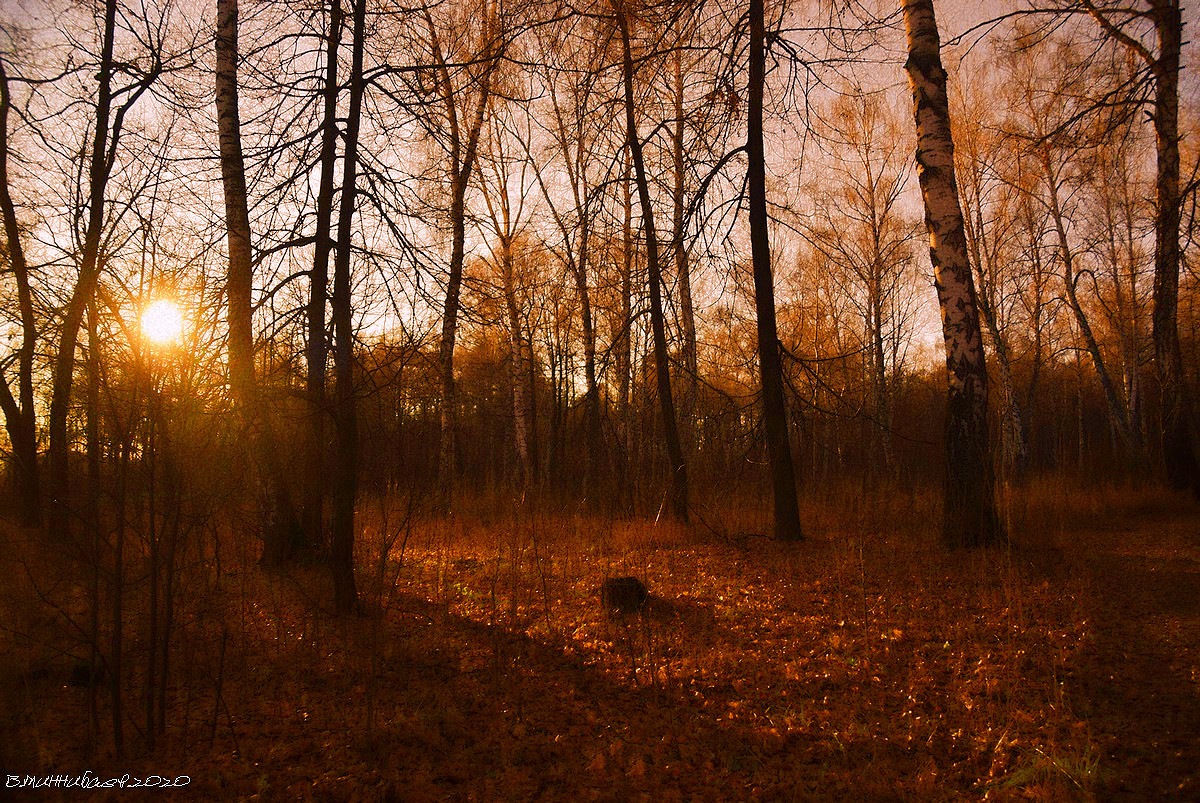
(864, 663)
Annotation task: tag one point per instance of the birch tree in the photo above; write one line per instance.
(969, 517)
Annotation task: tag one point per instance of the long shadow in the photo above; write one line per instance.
(546, 725)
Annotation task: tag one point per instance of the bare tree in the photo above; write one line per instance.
(992, 228)
(1127, 25)
(505, 187)
(20, 417)
(574, 125)
(113, 103)
(770, 360)
(345, 417)
(662, 369)
(1059, 151)
(317, 347)
(262, 446)
(866, 240)
(455, 121)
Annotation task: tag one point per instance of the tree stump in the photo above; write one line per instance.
(623, 594)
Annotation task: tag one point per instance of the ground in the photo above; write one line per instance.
(863, 663)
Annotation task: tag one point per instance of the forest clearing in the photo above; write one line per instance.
(864, 663)
(625, 400)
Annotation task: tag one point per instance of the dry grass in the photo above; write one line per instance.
(863, 663)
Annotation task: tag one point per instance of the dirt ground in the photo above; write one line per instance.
(864, 663)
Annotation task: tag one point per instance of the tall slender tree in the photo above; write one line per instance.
(113, 104)
(770, 362)
(1163, 62)
(317, 347)
(282, 525)
(20, 417)
(970, 515)
(345, 418)
(458, 126)
(662, 368)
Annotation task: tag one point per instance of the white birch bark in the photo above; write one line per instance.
(969, 516)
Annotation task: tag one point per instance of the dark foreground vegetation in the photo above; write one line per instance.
(865, 662)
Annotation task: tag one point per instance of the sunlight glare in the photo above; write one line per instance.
(162, 323)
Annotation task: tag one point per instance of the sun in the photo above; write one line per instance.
(162, 323)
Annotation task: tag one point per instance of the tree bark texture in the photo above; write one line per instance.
(969, 515)
(1179, 451)
(281, 525)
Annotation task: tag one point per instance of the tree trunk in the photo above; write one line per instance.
(521, 355)
(624, 337)
(779, 450)
(99, 169)
(345, 478)
(683, 271)
(463, 151)
(984, 252)
(279, 535)
(239, 278)
(594, 468)
(879, 379)
(317, 351)
(1178, 450)
(969, 515)
(679, 481)
(19, 416)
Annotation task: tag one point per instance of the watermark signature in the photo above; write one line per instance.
(88, 780)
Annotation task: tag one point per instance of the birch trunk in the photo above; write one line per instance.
(969, 515)
(281, 527)
(521, 354)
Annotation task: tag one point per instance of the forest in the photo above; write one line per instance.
(615, 400)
